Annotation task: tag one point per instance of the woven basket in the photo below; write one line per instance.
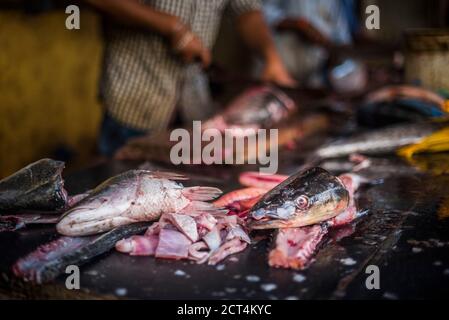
(427, 57)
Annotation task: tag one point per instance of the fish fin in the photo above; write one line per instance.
(360, 214)
(167, 175)
(203, 207)
(201, 193)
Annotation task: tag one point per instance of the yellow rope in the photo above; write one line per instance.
(436, 142)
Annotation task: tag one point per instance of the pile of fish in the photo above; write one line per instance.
(146, 213)
(202, 237)
(188, 227)
(115, 210)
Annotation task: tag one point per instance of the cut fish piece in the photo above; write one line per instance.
(295, 247)
(172, 245)
(213, 239)
(228, 248)
(39, 186)
(236, 232)
(50, 260)
(138, 245)
(185, 224)
(199, 252)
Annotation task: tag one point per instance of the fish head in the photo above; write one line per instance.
(305, 198)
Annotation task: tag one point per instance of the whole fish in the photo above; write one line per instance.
(37, 187)
(133, 196)
(51, 259)
(303, 199)
(381, 141)
(259, 107)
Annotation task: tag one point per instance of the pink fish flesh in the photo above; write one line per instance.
(199, 237)
(295, 247)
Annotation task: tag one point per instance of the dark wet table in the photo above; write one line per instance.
(405, 235)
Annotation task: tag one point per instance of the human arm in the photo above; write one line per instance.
(181, 39)
(256, 34)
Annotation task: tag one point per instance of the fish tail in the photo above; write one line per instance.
(201, 193)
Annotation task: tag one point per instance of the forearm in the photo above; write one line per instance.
(256, 34)
(134, 13)
(305, 29)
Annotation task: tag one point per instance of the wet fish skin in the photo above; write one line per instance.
(258, 107)
(305, 198)
(19, 221)
(38, 186)
(50, 260)
(380, 141)
(295, 247)
(133, 196)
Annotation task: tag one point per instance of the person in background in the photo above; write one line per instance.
(306, 32)
(149, 46)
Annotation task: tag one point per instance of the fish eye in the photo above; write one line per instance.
(302, 202)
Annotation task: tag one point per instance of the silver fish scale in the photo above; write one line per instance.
(379, 141)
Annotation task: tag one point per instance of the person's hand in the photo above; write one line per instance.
(188, 46)
(276, 73)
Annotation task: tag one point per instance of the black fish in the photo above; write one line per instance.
(303, 199)
(39, 186)
(50, 260)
